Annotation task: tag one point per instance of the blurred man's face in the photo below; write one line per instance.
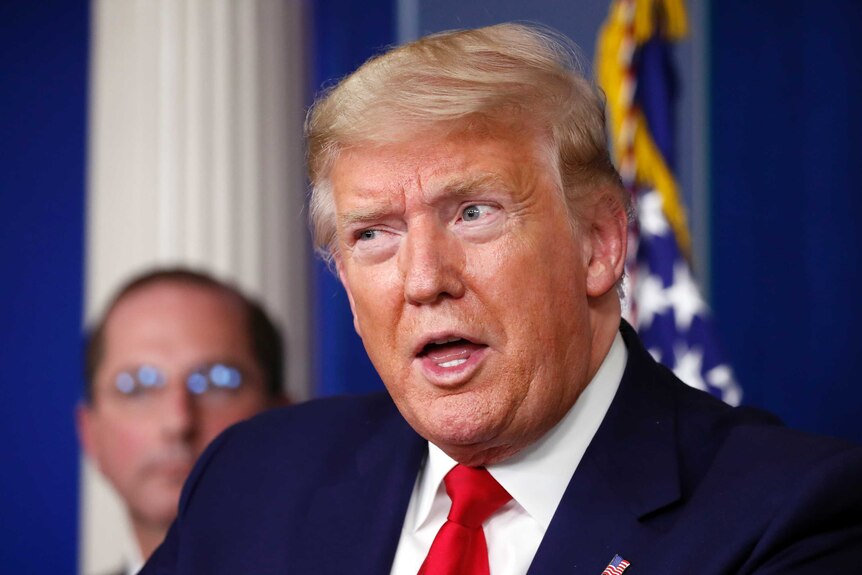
(145, 440)
(469, 286)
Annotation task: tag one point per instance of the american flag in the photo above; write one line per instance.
(664, 303)
(616, 566)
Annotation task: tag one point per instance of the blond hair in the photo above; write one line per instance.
(467, 80)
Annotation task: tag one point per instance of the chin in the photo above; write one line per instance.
(458, 428)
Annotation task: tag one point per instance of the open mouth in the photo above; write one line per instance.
(449, 352)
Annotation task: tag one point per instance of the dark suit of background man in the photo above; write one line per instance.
(463, 189)
(177, 357)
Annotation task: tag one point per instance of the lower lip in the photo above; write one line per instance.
(455, 375)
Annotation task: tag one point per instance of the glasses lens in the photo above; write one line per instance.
(149, 376)
(214, 377)
(197, 383)
(225, 376)
(138, 380)
(125, 383)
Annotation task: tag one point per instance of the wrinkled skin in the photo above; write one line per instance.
(467, 238)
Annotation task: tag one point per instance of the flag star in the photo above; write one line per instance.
(732, 395)
(684, 297)
(651, 216)
(687, 368)
(721, 377)
(652, 299)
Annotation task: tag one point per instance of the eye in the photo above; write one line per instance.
(366, 235)
(139, 381)
(126, 383)
(214, 378)
(475, 212)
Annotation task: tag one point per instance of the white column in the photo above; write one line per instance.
(195, 158)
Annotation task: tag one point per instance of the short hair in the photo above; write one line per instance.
(466, 80)
(264, 336)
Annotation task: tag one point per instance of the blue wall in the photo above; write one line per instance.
(43, 60)
(345, 34)
(786, 201)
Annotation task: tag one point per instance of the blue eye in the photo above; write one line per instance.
(472, 213)
(366, 235)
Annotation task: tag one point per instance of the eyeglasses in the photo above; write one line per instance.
(208, 378)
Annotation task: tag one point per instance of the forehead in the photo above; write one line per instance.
(174, 319)
(432, 164)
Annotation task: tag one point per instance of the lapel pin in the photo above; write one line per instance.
(616, 566)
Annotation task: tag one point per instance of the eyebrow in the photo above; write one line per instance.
(363, 215)
(479, 183)
(458, 188)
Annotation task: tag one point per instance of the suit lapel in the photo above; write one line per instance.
(629, 472)
(354, 521)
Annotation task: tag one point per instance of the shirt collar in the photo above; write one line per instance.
(537, 477)
(134, 559)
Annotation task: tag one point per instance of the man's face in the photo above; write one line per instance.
(470, 288)
(146, 443)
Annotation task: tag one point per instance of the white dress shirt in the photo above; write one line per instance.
(134, 560)
(536, 478)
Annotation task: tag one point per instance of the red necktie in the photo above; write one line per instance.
(459, 547)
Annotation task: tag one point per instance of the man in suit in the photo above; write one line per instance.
(177, 357)
(464, 192)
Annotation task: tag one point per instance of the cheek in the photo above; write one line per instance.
(378, 292)
(379, 312)
(122, 445)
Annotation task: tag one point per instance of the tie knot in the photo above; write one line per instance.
(475, 495)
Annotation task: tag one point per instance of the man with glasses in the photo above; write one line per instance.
(176, 358)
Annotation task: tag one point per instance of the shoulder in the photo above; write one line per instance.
(776, 498)
(714, 443)
(347, 419)
(326, 418)
(315, 436)
(709, 432)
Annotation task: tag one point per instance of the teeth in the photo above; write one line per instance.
(452, 363)
(443, 341)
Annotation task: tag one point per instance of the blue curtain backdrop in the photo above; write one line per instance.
(43, 62)
(346, 33)
(786, 201)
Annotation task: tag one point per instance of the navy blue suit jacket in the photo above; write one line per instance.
(674, 481)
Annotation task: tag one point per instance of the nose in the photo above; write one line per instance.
(178, 411)
(432, 264)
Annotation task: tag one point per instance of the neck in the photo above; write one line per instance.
(604, 333)
(149, 537)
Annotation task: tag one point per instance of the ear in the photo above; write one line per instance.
(343, 277)
(606, 238)
(84, 422)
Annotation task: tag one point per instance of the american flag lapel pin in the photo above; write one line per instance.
(616, 566)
